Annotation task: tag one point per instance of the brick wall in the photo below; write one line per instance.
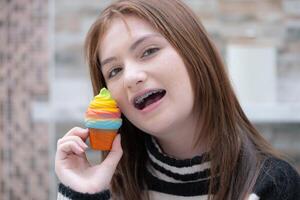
(24, 165)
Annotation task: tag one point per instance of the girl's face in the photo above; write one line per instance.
(146, 76)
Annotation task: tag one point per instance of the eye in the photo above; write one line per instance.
(149, 52)
(114, 71)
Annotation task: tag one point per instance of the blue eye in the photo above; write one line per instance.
(114, 72)
(149, 52)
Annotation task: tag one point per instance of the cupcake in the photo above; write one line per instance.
(103, 120)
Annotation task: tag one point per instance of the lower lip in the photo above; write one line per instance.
(152, 106)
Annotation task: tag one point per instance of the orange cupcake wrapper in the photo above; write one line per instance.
(102, 139)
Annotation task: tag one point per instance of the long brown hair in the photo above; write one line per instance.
(237, 150)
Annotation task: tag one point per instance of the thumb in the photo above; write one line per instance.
(115, 154)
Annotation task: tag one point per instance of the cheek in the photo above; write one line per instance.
(123, 105)
(179, 82)
(176, 71)
(117, 93)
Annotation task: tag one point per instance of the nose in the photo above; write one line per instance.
(134, 76)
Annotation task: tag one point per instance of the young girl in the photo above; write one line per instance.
(184, 134)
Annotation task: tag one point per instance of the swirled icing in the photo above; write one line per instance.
(103, 112)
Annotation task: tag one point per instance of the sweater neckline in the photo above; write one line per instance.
(154, 150)
(166, 174)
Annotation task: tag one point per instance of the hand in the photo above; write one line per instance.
(73, 168)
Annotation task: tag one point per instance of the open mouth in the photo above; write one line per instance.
(148, 98)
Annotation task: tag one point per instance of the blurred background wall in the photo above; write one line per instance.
(24, 83)
(45, 87)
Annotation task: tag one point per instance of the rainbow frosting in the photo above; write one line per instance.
(103, 112)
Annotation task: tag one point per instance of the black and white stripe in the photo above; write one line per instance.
(189, 177)
(168, 178)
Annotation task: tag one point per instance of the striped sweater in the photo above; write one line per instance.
(168, 178)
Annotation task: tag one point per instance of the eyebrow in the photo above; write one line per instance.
(132, 47)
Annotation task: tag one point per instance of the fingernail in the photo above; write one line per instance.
(81, 150)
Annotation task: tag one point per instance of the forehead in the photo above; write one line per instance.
(124, 30)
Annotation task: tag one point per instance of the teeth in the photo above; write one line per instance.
(141, 98)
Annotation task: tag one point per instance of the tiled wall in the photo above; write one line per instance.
(24, 165)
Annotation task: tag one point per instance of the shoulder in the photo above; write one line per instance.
(277, 180)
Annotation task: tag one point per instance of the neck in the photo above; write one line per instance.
(180, 142)
(181, 148)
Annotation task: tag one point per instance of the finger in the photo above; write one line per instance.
(80, 132)
(115, 154)
(77, 139)
(67, 148)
